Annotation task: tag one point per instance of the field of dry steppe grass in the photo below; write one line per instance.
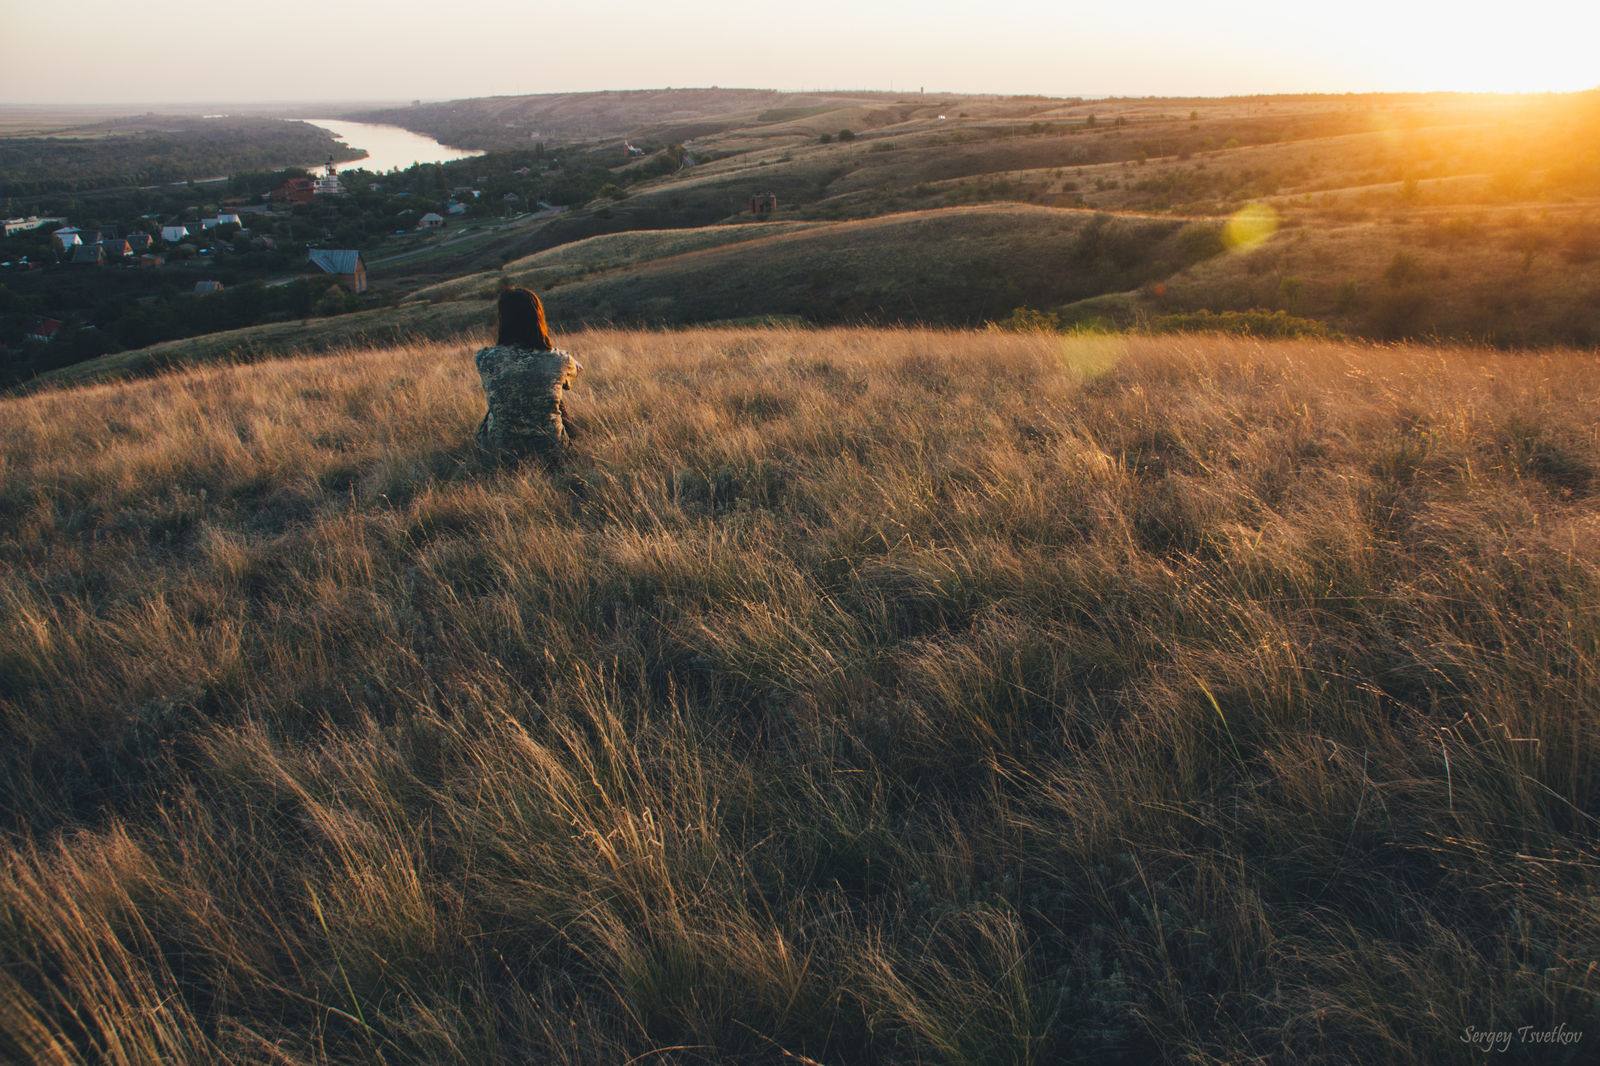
(858, 697)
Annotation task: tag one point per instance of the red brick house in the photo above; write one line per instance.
(295, 191)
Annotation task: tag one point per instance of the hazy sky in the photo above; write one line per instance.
(183, 50)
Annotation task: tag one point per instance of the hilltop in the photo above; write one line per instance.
(868, 696)
(677, 114)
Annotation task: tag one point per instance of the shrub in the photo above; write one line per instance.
(1275, 324)
(1348, 298)
(1026, 320)
(1292, 289)
(1200, 241)
(1403, 270)
(847, 135)
(1231, 142)
(826, 138)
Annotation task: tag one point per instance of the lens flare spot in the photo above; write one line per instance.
(1089, 354)
(1250, 228)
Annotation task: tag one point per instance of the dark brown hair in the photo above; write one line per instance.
(519, 321)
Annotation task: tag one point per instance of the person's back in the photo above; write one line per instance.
(523, 378)
(524, 393)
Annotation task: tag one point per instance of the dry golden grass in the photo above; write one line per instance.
(863, 696)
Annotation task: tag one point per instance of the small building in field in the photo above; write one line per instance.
(206, 288)
(343, 265)
(456, 209)
(39, 328)
(89, 255)
(152, 262)
(430, 220)
(763, 205)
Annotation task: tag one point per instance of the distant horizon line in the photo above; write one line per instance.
(400, 102)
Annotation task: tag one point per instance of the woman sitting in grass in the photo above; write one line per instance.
(523, 377)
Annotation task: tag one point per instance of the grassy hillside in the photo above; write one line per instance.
(856, 697)
(1402, 216)
(676, 114)
(599, 253)
(959, 266)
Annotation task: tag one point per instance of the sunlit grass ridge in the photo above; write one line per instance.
(875, 696)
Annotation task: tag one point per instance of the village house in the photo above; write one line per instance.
(171, 234)
(21, 225)
(109, 233)
(39, 328)
(763, 205)
(266, 241)
(206, 288)
(89, 255)
(67, 238)
(342, 264)
(117, 249)
(456, 209)
(152, 262)
(139, 242)
(295, 191)
(430, 220)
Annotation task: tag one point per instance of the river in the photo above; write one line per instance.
(388, 147)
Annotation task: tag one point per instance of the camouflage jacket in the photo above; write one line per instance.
(524, 393)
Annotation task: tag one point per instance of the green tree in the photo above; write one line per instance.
(1200, 241)
(847, 135)
(1403, 270)
(1292, 289)
(1348, 298)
